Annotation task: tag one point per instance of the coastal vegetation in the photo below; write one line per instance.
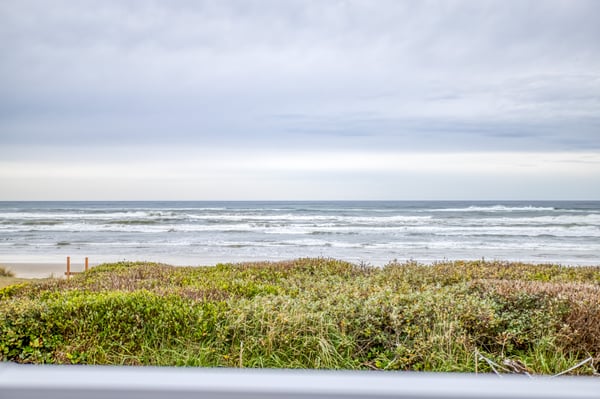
(7, 277)
(4, 272)
(475, 316)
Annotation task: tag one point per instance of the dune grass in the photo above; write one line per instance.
(311, 313)
(7, 277)
(4, 272)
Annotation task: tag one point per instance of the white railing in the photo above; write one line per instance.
(95, 382)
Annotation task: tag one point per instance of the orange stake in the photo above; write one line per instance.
(86, 264)
(68, 267)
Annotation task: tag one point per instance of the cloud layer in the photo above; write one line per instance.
(276, 77)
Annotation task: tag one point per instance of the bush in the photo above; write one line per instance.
(309, 313)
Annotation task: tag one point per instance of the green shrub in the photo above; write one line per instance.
(309, 313)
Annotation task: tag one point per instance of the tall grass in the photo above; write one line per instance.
(4, 272)
(310, 313)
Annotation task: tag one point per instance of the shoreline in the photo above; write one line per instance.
(33, 269)
(52, 266)
(360, 232)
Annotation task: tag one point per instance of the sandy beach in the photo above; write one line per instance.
(42, 269)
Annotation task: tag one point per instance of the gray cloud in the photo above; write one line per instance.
(408, 75)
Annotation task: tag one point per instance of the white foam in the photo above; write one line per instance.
(493, 208)
(303, 230)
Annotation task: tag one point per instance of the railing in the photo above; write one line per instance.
(95, 382)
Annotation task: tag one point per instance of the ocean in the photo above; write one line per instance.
(371, 232)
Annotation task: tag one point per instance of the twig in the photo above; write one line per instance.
(491, 364)
(574, 367)
(517, 367)
(369, 365)
(595, 371)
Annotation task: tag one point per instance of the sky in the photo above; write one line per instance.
(299, 100)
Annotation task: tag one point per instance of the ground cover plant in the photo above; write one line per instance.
(311, 313)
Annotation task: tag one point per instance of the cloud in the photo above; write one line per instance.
(270, 76)
(294, 175)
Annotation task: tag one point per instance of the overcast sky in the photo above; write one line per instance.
(234, 100)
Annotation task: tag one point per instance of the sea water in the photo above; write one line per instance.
(373, 232)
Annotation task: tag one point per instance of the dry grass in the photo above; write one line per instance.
(4, 272)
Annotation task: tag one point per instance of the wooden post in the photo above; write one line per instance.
(68, 267)
(86, 264)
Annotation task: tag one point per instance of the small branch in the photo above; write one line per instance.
(491, 364)
(589, 359)
(369, 365)
(517, 367)
(595, 371)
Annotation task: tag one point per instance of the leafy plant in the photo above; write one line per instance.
(309, 313)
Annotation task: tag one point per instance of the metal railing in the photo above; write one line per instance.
(95, 382)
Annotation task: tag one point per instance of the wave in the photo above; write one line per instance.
(331, 232)
(493, 208)
(308, 225)
(588, 226)
(42, 223)
(429, 230)
(292, 218)
(134, 222)
(469, 246)
(73, 215)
